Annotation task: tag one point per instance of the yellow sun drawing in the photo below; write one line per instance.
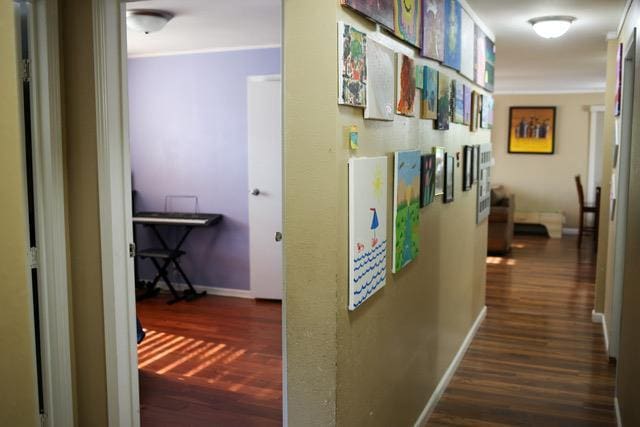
(377, 183)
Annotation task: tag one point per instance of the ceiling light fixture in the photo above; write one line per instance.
(551, 27)
(147, 21)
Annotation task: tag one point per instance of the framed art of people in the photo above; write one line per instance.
(532, 130)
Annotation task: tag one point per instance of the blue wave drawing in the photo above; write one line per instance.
(369, 292)
(371, 268)
(366, 254)
(381, 272)
(371, 259)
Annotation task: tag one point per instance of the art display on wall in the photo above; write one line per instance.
(419, 77)
(444, 92)
(367, 228)
(490, 56)
(380, 82)
(452, 36)
(449, 174)
(467, 172)
(352, 66)
(617, 106)
(439, 152)
(406, 208)
(467, 45)
(532, 130)
(427, 179)
(380, 11)
(476, 162)
(475, 111)
(484, 182)
(429, 96)
(457, 94)
(408, 20)
(486, 114)
(467, 105)
(405, 86)
(480, 56)
(433, 29)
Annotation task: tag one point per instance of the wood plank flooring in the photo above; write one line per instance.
(537, 360)
(215, 361)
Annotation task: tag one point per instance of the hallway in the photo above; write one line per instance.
(537, 360)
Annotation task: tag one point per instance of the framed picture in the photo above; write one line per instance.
(378, 11)
(467, 174)
(439, 179)
(475, 111)
(444, 106)
(449, 173)
(618, 98)
(532, 130)
(427, 179)
(476, 162)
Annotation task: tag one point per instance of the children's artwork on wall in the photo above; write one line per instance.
(480, 56)
(380, 82)
(438, 152)
(618, 99)
(419, 77)
(367, 228)
(380, 11)
(406, 208)
(484, 182)
(429, 96)
(452, 36)
(476, 162)
(408, 20)
(532, 130)
(467, 45)
(449, 173)
(458, 101)
(486, 115)
(427, 179)
(444, 92)
(467, 104)
(490, 49)
(467, 174)
(475, 111)
(352, 66)
(406, 86)
(433, 29)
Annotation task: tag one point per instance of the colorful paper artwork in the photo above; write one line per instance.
(352, 64)
(467, 105)
(532, 130)
(467, 174)
(449, 173)
(406, 203)
(408, 20)
(367, 228)
(439, 152)
(618, 99)
(444, 92)
(419, 77)
(467, 45)
(458, 101)
(429, 96)
(490, 49)
(475, 111)
(486, 117)
(380, 82)
(452, 36)
(433, 29)
(480, 56)
(406, 86)
(380, 11)
(427, 179)
(484, 182)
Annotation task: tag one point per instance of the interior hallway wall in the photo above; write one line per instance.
(380, 364)
(545, 183)
(188, 135)
(18, 391)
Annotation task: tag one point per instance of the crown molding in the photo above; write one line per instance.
(199, 51)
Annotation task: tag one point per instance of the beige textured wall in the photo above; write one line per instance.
(546, 182)
(18, 392)
(628, 378)
(83, 211)
(379, 364)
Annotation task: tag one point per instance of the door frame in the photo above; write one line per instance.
(50, 215)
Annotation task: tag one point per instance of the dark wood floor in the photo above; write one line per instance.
(215, 361)
(537, 360)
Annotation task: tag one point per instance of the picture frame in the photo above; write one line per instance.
(449, 174)
(532, 130)
(439, 178)
(467, 172)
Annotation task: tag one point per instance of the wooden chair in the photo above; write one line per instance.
(588, 209)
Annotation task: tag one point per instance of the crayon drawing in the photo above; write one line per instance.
(406, 208)
(406, 86)
(352, 64)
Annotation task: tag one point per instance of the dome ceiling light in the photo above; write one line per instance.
(551, 27)
(147, 21)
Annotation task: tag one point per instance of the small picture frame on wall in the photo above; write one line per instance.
(439, 179)
(449, 173)
(467, 173)
(532, 130)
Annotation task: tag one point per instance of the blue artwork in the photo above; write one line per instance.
(452, 34)
(406, 212)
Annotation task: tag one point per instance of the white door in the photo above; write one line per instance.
(265, 185)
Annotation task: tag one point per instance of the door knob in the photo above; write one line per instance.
(278, 236)
(255, 192)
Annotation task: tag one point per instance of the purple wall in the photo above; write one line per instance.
(188, 129)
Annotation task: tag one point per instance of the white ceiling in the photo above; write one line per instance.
(526, 62)
(204, 25)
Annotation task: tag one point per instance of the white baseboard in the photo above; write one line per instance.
(599, 318)
(570, 231)
(450, 372)
(223, 292)
(618, 416)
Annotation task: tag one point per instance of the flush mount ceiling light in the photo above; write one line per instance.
(551, 27)
(147, 21)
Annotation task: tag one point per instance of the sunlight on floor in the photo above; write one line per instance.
(499, 260)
